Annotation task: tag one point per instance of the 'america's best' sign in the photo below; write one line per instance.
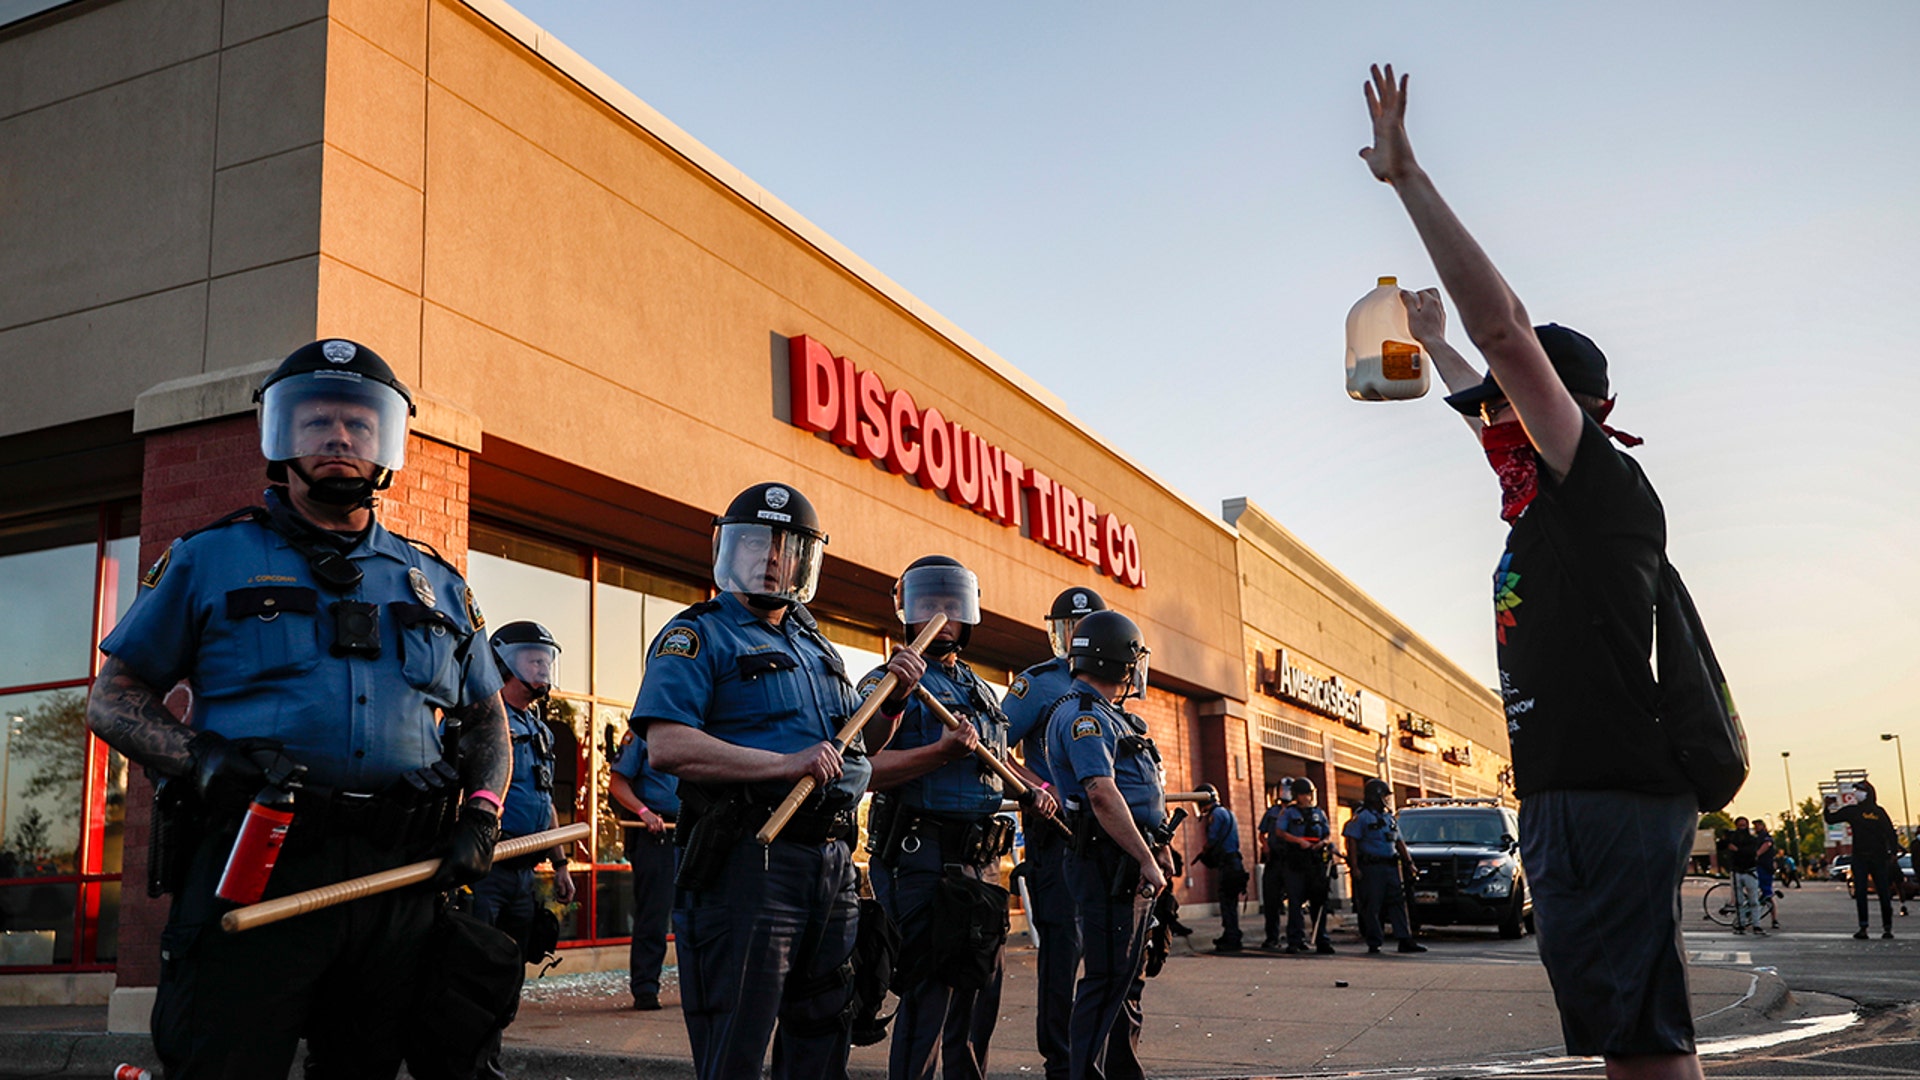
(855, 410)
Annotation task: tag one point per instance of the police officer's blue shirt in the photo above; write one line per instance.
(1309, 822)
(1223, 831)
(527, 808)
(1270, 822)
(963, 787)
(1029, 696)
(237, 613)
(722, 669)
(658, 791)
(1084, 741)
(1376, 832)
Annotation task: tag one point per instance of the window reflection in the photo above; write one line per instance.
(46, 589)
(39, 924)
(610, 726)
(43, 758)
(632, 607)
(514, 578)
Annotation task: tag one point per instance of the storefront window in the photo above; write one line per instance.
(514, 577)
(631, 606)
(65, 581)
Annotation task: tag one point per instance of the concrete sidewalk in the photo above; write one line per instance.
(1472, 999)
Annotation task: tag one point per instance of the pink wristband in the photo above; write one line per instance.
(488, 796)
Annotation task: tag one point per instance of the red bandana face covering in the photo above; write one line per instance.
(1514, 462)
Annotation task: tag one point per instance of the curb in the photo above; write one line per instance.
(76, 1053)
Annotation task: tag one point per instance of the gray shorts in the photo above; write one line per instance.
(1605, 869)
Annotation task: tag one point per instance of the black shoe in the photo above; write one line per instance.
(1886, 935)
(1757, 932)
(1411, 945)
(1270, 945)
(1221, 944)
(1179, 928)
(1373, 950)
(646, 1002)
(1325, 948)
(1860, 934)
(1293, 948)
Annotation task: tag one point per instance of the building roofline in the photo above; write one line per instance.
(617, 97)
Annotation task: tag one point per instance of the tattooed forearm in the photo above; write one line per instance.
(486, 751)
(129, 716)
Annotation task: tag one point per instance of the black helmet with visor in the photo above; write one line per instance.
(335, 399)
(1108, 646)
(1068, 609)
(768, 547)
(525, 650)
(938, 585)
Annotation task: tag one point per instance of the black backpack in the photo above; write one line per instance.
(1690, 699)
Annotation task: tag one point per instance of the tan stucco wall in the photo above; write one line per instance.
(1293, 598)
(160, 223)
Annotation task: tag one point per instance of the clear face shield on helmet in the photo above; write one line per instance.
(535, 664)
(1060, 635)
(334, 414)
(762, 561)
(1137, 686)
(926, 591)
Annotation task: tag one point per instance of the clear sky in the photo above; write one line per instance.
(1157, 211)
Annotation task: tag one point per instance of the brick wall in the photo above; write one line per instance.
(194, 475)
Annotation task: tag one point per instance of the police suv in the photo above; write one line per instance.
(1467, 855)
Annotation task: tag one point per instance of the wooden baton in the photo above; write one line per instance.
(1000, 768)
(804, 786)
(286, 907)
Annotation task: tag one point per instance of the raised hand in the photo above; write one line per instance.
(1391, 155)
(1426, 315)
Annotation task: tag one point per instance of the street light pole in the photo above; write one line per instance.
(1793, 811)
(1901, 757)
(6, 774)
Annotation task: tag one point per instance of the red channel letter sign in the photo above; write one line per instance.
(855, 410)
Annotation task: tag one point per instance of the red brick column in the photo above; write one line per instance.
(193, 476)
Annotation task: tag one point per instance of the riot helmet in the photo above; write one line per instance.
(1376, 793)
(1301, 786)
(524, 650)
(334, 398)
(938, 585)
(768, 547)
(1068, 609)
(1211, 796)
(1107, 645)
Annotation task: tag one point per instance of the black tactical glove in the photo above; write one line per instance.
(228, 773)
(469, 851)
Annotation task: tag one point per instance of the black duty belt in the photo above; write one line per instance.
(1379, 860)
(814, 827)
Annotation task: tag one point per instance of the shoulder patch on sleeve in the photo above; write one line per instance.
(1019, 687)
(868, 684)
(627, 739)
(152, 577)
(1086, 727)
(478, 621)
(679, 641)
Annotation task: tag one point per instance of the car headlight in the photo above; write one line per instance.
(1494, 876)
(1487, 868)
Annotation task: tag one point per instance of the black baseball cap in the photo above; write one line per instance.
(1581, 365)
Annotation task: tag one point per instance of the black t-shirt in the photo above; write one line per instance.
(1741, 850)
(1591, 540)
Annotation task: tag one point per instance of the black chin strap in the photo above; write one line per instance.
(350, 491)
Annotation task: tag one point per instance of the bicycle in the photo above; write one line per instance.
(1721, 909)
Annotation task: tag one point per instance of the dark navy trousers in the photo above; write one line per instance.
(760, 957)
(1306, 899)
(1105, 1030)
(937, 1028)
(1053, 915)
(1379, 887)
(653, 861)
(504, 899)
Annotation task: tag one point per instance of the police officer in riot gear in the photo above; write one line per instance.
(307, 632)
(653, 798)
(1273, 887)
(1221, 854)
(1112, 785)
(741, 699)
(1376, 853)
(934, 818)
(507, 898)
(1304, 864)
(1029, 695)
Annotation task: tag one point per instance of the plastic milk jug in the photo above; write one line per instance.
(1384, 363)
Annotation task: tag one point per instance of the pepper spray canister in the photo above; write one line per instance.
(257, 848)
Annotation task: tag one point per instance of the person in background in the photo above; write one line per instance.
(1876, 852)
(653, 798)
(1740, 853)
(1306, 838)
(1763, 872)
(1376, 853)
(1273, 887)
(1222, 855)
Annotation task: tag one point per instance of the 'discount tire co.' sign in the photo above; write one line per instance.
(854, 409)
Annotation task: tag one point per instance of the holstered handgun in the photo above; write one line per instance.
(715, 833)
(171, 836)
